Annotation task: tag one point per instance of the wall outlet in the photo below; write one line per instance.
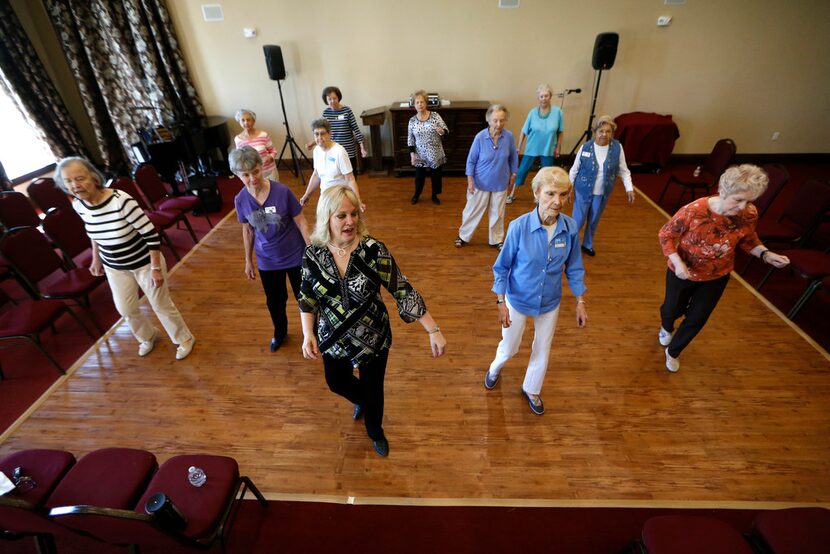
(775, 135)
(249, 32)
(664, 21)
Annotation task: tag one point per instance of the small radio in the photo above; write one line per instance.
(433, 100)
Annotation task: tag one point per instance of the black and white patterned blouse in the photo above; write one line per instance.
(352, 321)
(424, 140)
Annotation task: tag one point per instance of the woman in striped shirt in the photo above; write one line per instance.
(125, 247)
(259, 141)
(344, 128)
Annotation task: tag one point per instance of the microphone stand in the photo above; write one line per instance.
(588, 132)
(290, 143)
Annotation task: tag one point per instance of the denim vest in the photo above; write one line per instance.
(587, 174)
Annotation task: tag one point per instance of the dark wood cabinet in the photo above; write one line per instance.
(464, 119)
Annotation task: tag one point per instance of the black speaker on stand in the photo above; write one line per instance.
(605, 52)
(276, 72)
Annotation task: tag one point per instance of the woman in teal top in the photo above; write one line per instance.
(543, 130)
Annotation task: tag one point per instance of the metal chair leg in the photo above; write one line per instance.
(43, 351)
(805, 296)
(190, 230)
(764, 280)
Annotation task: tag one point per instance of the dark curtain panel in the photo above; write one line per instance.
(27, 83)
(124, 55)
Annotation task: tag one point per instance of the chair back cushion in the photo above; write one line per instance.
(31, 254)
(811, 201)
(720, 158)
(692, 535)
(46, 195)
(66, 229)
(778, 177)
(46, 468)
(17, 211)
(795, 530)
(149, 181)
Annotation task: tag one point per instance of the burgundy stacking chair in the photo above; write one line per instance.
(45, 194)
(17, 211)
(801, 217)
(65, 228)
(161, 219)
(28, 318)
(208, 510)
(794, 530)
(710, 172)
(812, 265)
(23, 510)
(109, 478)
(692, 535)
(149, 181)
(778, 178)
(33, 259)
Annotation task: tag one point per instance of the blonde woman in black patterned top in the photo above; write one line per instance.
(426, 129)
(343, 313)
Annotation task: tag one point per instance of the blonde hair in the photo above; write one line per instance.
(550, 176)
(329, 203)
(420, 92)
(744, 178)
(544, 87)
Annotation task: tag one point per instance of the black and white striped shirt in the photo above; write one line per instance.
(121, 230)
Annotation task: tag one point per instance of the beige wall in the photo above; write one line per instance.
(735, 68)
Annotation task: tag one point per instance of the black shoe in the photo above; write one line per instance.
(415, 199)
(357, 413)
(589, 251)
(275, 344)
(436, 200)
(381, 446)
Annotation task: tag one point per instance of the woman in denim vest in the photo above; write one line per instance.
(594, 174)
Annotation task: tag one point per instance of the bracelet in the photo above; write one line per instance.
(763, 255)
(433, 331)
(155, 268)
(499, 301)
(578, 302)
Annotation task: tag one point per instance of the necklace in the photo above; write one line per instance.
(341, 251)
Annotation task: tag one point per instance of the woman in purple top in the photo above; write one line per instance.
(274, 228)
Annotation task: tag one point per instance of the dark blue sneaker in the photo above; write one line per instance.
(490, 382)
(537, 407)
(357, 413)
(381, 446)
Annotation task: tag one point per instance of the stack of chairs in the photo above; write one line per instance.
(103, 495)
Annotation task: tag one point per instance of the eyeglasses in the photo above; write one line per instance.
(22, 483)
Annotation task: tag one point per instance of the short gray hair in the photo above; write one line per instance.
(329, 203)
(544, 87)
(97, 175)
(244, 159)
(420, 92)
(496, 108)
(321, 123)
(242, 111)
(604, 120)
(552, 175)
(744, 178)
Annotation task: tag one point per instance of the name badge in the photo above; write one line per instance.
(270, 209)
(332, 159)
(559, 243)
(341, 117)
(586, 154)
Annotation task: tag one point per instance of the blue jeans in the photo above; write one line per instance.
(527, 164)
(589, 209)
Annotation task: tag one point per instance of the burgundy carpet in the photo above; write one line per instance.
(300, 527)
(28, 373)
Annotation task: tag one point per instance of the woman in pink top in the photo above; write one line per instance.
(700, 243)
(259, 141)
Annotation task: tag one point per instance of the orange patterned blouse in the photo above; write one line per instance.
(706, 241)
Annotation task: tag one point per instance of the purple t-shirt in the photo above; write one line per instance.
(278, 243)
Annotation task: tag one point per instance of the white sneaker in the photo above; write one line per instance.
(672, 363)
(147, 346)
(664, 337)
(184, 349)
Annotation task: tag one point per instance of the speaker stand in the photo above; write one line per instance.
(586, 136)
(290, 143)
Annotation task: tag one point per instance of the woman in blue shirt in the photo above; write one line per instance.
(491, 169)
(543, 130)
(540, 246)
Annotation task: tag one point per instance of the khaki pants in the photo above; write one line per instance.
(124, 284)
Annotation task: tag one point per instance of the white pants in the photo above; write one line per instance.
(477, 203)
(124, 284)
(511, 339)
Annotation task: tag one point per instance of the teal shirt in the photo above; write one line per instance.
(542, 131)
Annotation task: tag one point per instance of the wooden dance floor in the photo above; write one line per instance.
(746, 420)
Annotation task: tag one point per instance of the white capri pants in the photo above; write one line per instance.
(511, 339)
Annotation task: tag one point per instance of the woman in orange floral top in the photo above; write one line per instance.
(700, 242)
